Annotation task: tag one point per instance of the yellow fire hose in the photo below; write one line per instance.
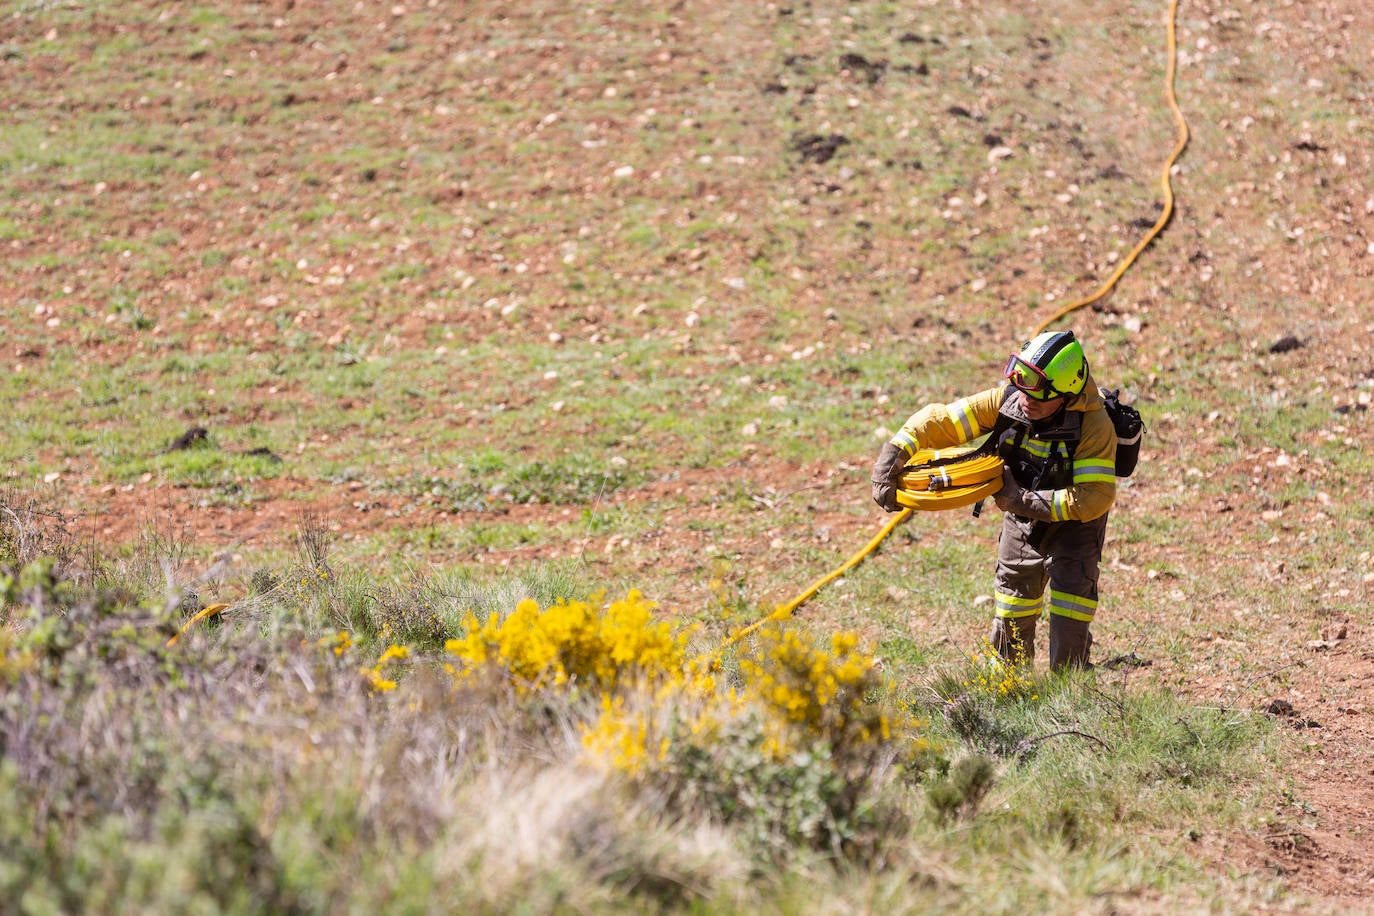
(208, 611)
(917, 492)
(1164, 183)
(948, 478)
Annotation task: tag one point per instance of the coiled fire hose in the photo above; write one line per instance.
(919, 490)
(949, 478)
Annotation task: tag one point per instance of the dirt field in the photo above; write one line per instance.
(311, 134)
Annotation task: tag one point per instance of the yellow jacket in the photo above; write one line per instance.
(1068, 460)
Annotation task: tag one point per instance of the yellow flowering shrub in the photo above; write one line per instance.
(821, 692)
(378, 682)
(573, 642)
(1000, 679)
(16, 656)
(339, 643)
(621, 737)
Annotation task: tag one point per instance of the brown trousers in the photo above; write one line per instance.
(1063, 556)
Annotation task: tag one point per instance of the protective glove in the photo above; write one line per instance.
(1017, 500)
(887, 474)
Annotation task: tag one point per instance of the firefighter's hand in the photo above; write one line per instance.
(887, 472)
(885, 495)
(1011, 498)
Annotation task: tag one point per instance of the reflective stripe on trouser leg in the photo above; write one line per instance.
(1075, 607)
(1019, 582)
(1073, 554)
(1013, 606)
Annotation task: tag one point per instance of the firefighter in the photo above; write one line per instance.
(1058, 483)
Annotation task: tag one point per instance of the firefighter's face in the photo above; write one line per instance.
(1039, 410)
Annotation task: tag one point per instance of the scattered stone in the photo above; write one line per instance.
(1285, 344)
(1130, 660)
(263, 451)
(192, 438)
(1332, 636)
(870, 70)
(818, 148)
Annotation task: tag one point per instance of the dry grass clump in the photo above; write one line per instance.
(580, 753)
(290, 755)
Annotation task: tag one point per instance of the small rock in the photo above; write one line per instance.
(1335, 632)
(818, 148)
(1285, 344)
(196, 435)
(1277, 707)
(1129, 660)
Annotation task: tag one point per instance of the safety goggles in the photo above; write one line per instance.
(1030, 379)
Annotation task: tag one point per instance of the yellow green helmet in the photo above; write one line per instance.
(1049, 365)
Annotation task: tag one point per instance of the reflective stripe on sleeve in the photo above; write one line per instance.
(905, 442)
(1094, 470)
(1075, 607)
(959, 413)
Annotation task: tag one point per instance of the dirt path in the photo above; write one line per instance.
(1322, 842)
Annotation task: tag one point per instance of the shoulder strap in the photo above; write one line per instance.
(999, 426)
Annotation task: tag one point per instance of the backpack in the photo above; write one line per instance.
(1129, 428)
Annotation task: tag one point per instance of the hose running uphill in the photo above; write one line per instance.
(949, 479)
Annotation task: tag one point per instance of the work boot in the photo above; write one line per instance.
(1014, 638)
(1070, 643)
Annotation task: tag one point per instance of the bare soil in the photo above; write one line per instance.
(1320, 839)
